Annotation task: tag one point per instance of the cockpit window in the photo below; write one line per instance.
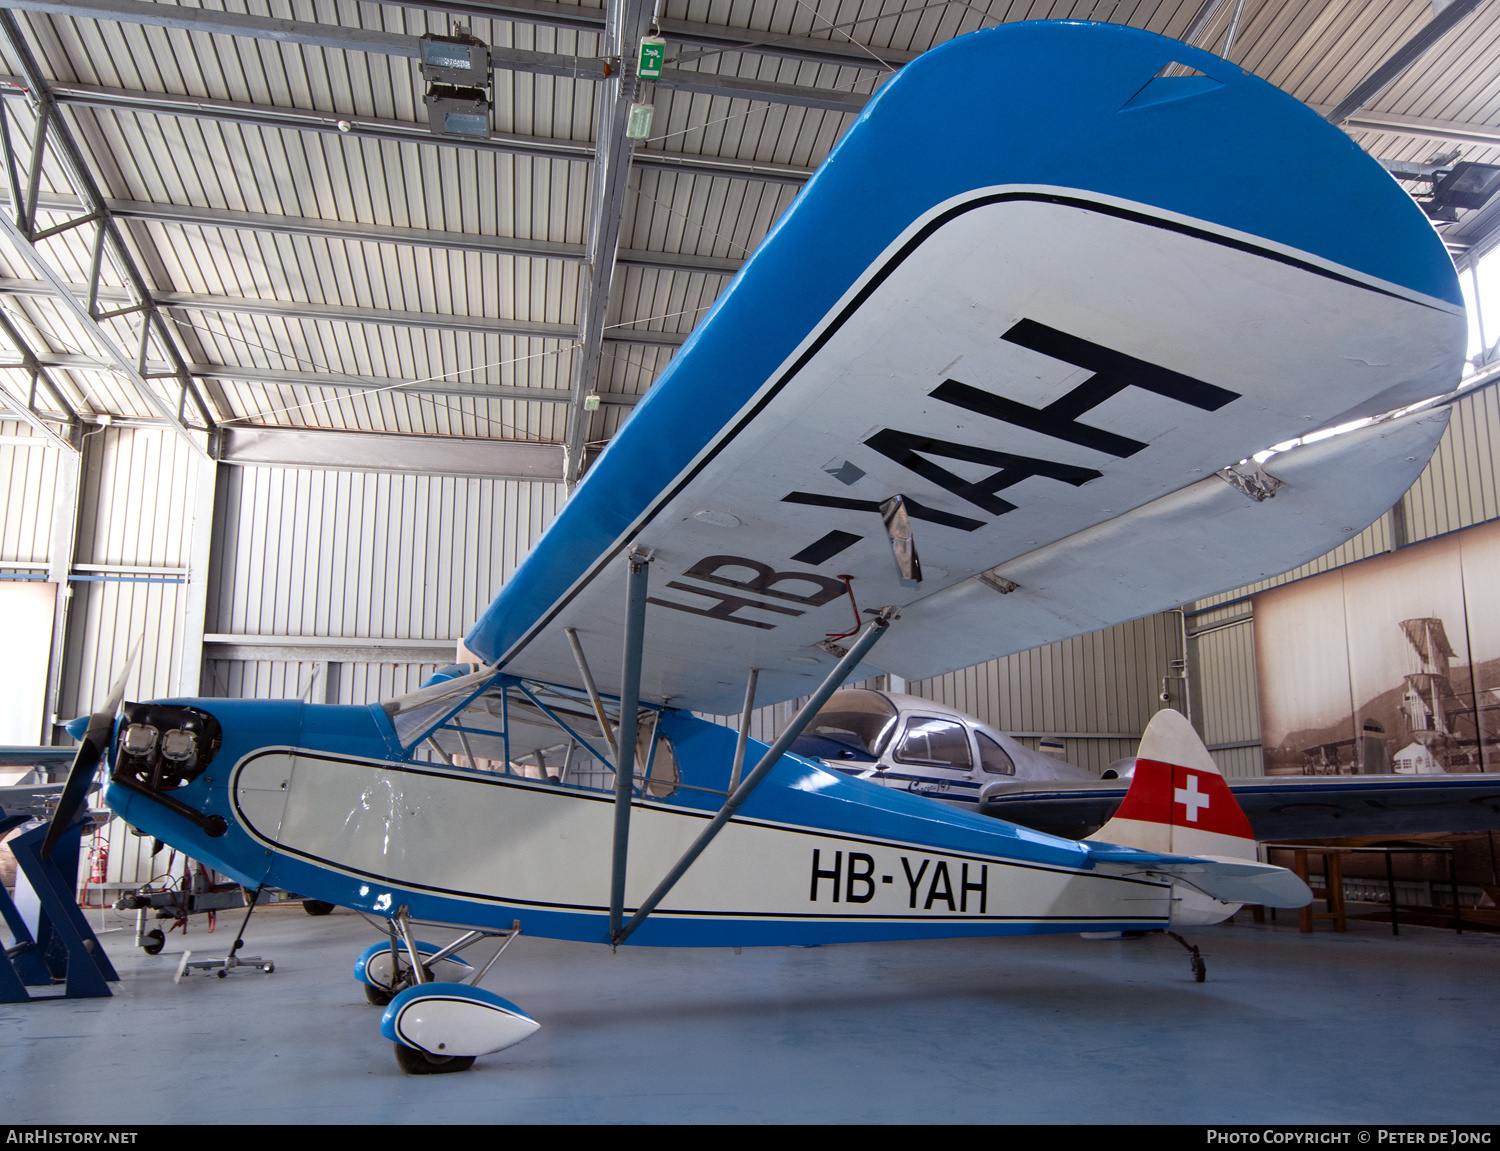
(933, 742)
(857, 717)
(992, 757)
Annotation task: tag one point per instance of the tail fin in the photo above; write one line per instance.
(1178, 802)
(1179, 805)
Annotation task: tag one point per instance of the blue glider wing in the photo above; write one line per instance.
(1042, 293)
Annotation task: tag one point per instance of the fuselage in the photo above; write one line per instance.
(323, 800)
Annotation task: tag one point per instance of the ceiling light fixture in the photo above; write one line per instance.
(458, 72)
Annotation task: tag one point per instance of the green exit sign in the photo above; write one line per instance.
(653, 52)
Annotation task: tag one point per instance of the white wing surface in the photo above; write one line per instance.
(1042, 295)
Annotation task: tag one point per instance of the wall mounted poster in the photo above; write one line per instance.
(1388, 665)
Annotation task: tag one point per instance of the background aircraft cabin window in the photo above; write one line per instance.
(857, 717)
(935, 743)
(992, 756)
(660, 770)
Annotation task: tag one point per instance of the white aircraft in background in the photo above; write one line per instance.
(913, 744)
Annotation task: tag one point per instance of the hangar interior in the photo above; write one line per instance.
(293, 380)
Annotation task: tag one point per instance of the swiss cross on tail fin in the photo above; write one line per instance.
(1179, 805)
(1178, 802)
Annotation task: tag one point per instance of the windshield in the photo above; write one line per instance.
(858, 718)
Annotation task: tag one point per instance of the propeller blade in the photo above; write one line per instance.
(86, 763)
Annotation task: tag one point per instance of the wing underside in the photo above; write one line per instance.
(1048, 375)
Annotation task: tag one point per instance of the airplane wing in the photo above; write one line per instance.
(1283, 807)
(49, 757)
(1042, 293)
(37, 800)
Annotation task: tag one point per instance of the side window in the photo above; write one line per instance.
(992, 756)
(935, 743)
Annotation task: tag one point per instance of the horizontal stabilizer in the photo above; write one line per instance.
(1231, 881)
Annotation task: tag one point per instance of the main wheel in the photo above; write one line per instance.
(316, 907)
(154, 941)
(382, 995)
(415, 1062)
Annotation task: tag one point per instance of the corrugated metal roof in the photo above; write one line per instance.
(235, 121)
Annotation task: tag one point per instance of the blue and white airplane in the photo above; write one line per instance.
(994, 379)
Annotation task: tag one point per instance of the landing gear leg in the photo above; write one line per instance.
(1200, 971)
(427, 1018)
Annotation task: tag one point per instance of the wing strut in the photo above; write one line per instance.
(835, 680)
(739, 745)
(588, 684)
(630, 702)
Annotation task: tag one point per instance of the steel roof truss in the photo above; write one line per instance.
(510, 59)
(25, 406)
(401, 131)
(51, 132)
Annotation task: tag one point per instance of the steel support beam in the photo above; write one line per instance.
(335, 381)
(630, 702)
(1403, 58)
(744, 88)
(415, 237)
(338, 313)
(51, 132)
(62, 552)
(842, 671)
(400, 131)
(263, 446)
(204, 532)
(342, 230)
(342, 38)
(541, 12)
(25, 404)
(1396, 125)
(1201, 20)
(627, 23)
(326, 649)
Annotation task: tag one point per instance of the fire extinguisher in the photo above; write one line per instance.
(99, 859)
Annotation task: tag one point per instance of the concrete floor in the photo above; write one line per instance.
(1360, 1028)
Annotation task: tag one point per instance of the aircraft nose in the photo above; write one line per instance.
(162, 748)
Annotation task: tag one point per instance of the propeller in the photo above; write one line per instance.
(86, 762)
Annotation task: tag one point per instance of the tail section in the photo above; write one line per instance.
(1179, 805)
(1178, 802)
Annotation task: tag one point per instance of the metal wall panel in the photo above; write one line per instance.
(106, 618)
(326, 553)
(1458, 488)
(1225, 700)
(135, 498)
(133, 519)
(28, 479)
(1097, 691)
(312, 680)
